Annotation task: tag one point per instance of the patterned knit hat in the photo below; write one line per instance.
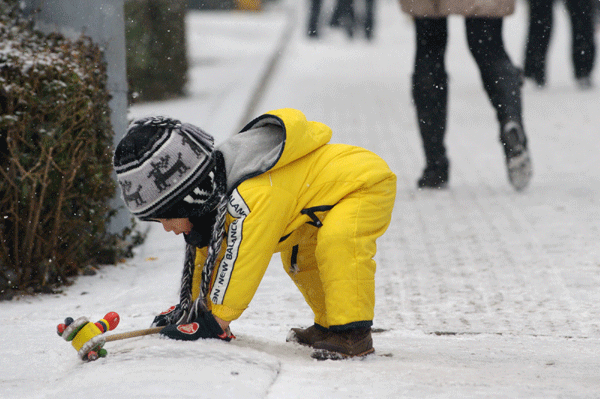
(165, 168)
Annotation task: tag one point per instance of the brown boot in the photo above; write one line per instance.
(345, 344)
(307, 336)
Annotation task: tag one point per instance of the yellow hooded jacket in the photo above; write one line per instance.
(321, 205)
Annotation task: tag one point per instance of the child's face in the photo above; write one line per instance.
(177, 226)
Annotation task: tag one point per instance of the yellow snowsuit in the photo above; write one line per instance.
(322, 206)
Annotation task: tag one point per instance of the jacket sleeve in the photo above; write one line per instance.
(260, 214)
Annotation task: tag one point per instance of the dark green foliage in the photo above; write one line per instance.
(55, 157)
(156, 49)
(212, 4)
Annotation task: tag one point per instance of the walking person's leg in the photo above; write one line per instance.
(430, 96)
(346, 18)
(538, 40)
(502, 81)
(583, 50)
(313, 18)
(369, 18)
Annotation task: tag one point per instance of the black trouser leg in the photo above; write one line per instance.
(502, 80)
(369, 18)
(335, 17)
(430, 87)
(538, 39)
(430, 95)
(313, 19)
(345, 16)
(583, 43)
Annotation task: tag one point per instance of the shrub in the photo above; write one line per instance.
(212, 4)
(55, 157)
(156, 49)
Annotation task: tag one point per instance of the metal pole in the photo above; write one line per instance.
(103, 21)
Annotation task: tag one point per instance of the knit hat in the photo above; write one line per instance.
(165, 168)
(169, 169)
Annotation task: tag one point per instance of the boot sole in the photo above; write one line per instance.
(324, 354)
(440, 186)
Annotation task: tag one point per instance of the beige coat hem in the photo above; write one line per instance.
(468, 8)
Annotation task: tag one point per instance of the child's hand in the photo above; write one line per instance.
(205, 326)
(169, 316)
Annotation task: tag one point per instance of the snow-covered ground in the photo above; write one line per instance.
(481, 292)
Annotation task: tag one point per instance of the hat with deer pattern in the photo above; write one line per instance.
(165, 168)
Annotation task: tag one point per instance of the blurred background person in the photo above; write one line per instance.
(583, 47)
(313, 18)
(344, 16)
(502, 82)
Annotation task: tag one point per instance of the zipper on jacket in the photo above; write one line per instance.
(315, 221)
(294, 260)
(285, 237)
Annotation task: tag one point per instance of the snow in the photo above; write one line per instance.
(482, 292)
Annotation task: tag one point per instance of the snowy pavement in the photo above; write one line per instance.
(482, 292)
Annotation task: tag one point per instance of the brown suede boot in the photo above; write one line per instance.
(307, 336)
(346, 344)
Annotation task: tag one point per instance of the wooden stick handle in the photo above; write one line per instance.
(131, 334)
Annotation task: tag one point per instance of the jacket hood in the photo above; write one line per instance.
(269, 142)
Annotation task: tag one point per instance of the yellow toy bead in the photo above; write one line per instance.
(87, 332)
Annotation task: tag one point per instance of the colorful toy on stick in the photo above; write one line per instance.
(86, 337)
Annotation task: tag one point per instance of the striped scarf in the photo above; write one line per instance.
(190, 311)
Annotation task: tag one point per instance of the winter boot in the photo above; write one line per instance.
(344, 344)
(435, 175)
(518, 161)
(538, 76)
(538, 42)
(502, 82)
(583, 46)
(307, 336)
(585, 83)
(430, 95)
(535, 68)
(343, 17)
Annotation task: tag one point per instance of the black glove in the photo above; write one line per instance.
(205, 326)
(169, 316)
